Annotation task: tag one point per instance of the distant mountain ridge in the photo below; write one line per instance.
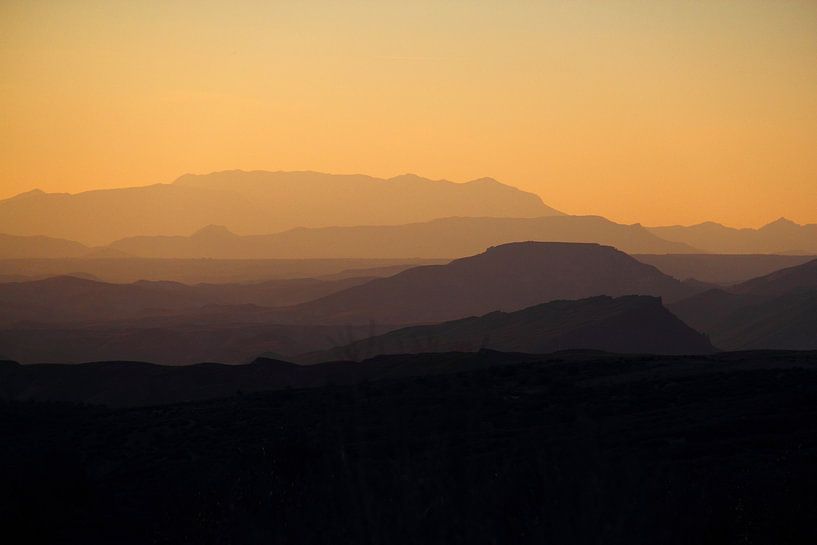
(776, 311)
(723, 269)
(37, 246)
(439, 238)
(197, 271)
(258, 202)
(782, 236)
(629, 324)
(69, 299)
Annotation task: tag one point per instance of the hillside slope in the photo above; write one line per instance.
(629, 324)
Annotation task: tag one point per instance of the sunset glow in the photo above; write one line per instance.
(654, 112)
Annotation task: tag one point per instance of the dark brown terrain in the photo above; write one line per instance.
(442, 448)
(776, 311)
(634, 324)
(507, 278)
(722, 269)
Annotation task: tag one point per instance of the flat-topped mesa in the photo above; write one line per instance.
(213, 231)
(507, 277)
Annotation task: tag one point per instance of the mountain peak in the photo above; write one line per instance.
(485, 181)
(211, 231)
(781, 223)
(27, 195)
(408, 177)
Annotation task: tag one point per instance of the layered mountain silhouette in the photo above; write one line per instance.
(629, 324)
(68, 299)
(441, 238)
(196, 271)
(782, 236)
(724, 269)
(258, 202)
(177, 323)
(774, 311)
(785, 280)
(36, 246)
(506, 278)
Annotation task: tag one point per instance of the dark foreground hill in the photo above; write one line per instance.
(777, 311)
(239, 333)
(508, 277)
(224, 334)
(634, 324)
(566, 448)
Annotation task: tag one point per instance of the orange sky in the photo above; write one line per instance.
(642, 111)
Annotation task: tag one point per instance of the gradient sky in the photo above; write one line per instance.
(657, 112)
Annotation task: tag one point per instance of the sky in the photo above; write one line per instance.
(658, 112)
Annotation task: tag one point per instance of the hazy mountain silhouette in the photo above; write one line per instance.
(442, 238)
(629, 324)
(724, 269)
(71, 299)
(779, 237)
(258, 202)
(23, 247)
(785, 280)
(194, 271)
(776, 311)
(506, 278)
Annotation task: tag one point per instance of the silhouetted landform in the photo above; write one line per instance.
(24, 247)
(785, 280)
(195, 271)
(775, 311)
(633, 324)
(567, 448)
(67, 320)
(506, 278)
(723, 269)
(258, 202)
(231, 335)
(69, 299)
(779, 237)
(442, 238)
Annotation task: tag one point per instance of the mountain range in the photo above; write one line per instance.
(724, 269)
(440, 238)
(69, 299)
(626, 325)
(508, 277)
(78, 319)
(258, 202)
(782, 236)
(316, 215)
(40, 247)
(197, 271)
(776, 311)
